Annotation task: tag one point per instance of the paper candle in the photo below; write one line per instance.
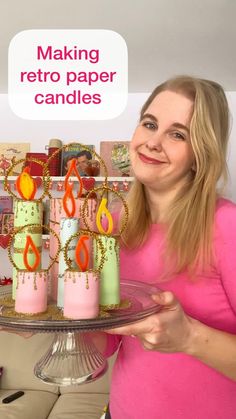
(57, 213)
(110, 273)
(81, 299)
(81, 292)
(31, 292)
(68, 227)
(25, 213)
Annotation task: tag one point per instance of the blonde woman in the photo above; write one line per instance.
(180, 362)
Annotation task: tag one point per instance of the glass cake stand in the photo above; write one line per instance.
(73, 358)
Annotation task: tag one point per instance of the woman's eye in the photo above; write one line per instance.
(149, 125)
(178, 136)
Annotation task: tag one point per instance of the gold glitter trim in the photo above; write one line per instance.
(20, 230)
(32, 230)
(124, 304)
(20, 250)
(52, 312)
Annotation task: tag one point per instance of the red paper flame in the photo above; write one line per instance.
(30, 244)
(68, 196)
(73, 170)
(81, 247)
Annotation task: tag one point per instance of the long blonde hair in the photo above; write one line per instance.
(190, 219)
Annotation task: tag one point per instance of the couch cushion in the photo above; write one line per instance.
(18, 357)
(79, 406)
(32, 405)
(101, 385)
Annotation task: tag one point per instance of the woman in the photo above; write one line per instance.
(180, 362)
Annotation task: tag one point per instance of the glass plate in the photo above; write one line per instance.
(140, 306)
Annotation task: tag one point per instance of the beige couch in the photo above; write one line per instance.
(40, 401)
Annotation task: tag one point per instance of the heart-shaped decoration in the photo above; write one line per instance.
(4, 240)
(88, 183)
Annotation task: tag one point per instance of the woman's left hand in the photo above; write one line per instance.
(169, 330)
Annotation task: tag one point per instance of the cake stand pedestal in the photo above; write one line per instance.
(73, 358)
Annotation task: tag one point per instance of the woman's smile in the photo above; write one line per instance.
(149, 160)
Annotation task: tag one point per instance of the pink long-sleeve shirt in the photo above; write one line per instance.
(153, 385)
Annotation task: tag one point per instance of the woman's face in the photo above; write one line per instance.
(160, 150)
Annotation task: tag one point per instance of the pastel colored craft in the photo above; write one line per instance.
(81, 295)
(31, 292)
(26, 212)
(68, 227)
(110, 273)
(57, 212)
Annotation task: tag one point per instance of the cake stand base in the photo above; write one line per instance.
(71, 359)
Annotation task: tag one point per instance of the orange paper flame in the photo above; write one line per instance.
(81, 247)
(104, 210)
(68, 196)
(30, 243)
(26, 185)
(73, 169)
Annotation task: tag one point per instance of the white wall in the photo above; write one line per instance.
(38, 133)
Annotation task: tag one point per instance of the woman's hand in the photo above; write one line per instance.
(169, 330)
(25, 335)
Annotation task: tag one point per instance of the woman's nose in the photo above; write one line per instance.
(155, 141)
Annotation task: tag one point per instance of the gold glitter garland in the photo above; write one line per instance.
(33, 230)
(12, 236)
(45, 178)
(108, 189)
(95, 236)
(20, 250)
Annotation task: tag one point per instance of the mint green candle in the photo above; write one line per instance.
(110, 273)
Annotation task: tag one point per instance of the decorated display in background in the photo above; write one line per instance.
(115, 154)
(85, 163)
(84, 243)
(9, 153)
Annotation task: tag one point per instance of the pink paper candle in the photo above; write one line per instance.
(81, 295)
(31, 292)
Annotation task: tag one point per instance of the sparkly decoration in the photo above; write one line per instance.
(105, 188)
(46, 178)
(98, 242)
(20, 230)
